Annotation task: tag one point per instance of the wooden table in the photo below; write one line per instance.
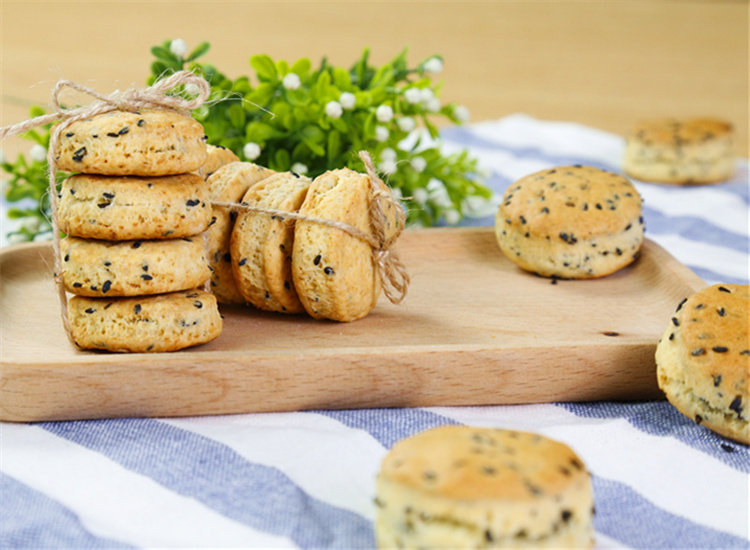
(605, 64)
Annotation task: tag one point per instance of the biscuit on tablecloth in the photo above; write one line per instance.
(120, 208)
(228, 184)
(681, 151)
(703, 360)
(333, 271)
(571, 222)
(146, 143)
(165, 322)
(466, 487)
(262, 243)
(132, 268)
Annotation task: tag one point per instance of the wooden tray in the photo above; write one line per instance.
(473, 330)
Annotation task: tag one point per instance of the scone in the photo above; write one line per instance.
(262, 244)
(120, 208)
(148, 143)
(680, 151)
(132, 268)
(165, 322)
(216, 157)
(703, 360)
(228, 184)
(571, 222)
(465, 487)
(333, 271)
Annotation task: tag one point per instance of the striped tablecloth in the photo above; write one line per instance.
(307, 479)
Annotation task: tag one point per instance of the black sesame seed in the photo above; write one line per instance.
(721, 312)
(488, 536)
(724, 289)
(140, 122)
(429, 476)
(124, 130)
(717, 380)
(112, 134)
(317, 259)
(675, 322)
(137, 244)
(137, 309)
(198, 304)
(328, 271)
(67, 257)
(697, 352)
(146, 277)
(720, 349)
(287, 285)
(679, 306)
(566, 515)
(69, 134)
(108, 305)
(106, 286)
(192, 202)
(698, 419)
(523, 220)
(671, 336)
(79, 154)
(108, 195)
(243, 261)
(545, 210)
(745, 352)
(94, 288)
(90, 310)
(77, 285)
(598, 206)
(144, 267)
(611, 333)
(727, 448)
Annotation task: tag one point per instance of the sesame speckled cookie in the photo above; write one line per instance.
(333, 271)
(703, 360)
(148, 143)
(262, 244)
(132, 268)
(681, 151)
(571, 222)
(165, 322)
(216, 157)
(465, 487)
(228, 183)
(132, 207)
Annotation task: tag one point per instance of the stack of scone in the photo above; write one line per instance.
(571, 222)
(466, 487)
(134, 215)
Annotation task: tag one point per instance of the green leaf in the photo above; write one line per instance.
(264, 67)
(199, 51)
(236, 114)
(301, 66)
(281, 161)
(313, 137)
(160, 52)
(333, 150)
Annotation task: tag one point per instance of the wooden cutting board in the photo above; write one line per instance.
(473, 330)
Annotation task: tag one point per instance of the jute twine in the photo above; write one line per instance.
(392, 272)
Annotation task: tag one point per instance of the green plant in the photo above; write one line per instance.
(305, 119)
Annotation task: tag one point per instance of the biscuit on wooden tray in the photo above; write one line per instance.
(571, 222)
(262, 244)
(120, 208)
(228, 184)
(703, 359)
(676, 151)
(146, 143)
(466, 487)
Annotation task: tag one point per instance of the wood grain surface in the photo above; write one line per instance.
(474, 330)
(602, 63)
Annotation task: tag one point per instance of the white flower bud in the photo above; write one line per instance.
(413, 95)
(452, 217)
(420, 195)
(387, 167)
(178, 47)
(381, 133)
(418, 164)
(397, 194)
(475, 206)
(461, 112)
(433, 65)
(426, 94)
(251, 151)
(291, 81)
(438, 193)
(299, 168)
(432, 105)
(38, 153)
(333, 109)
(348, 100)
(388, 154)
(16, 238)
(192, 89)
(406, 123)
(384, 113)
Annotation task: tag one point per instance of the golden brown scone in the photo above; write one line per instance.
(148, 143)
(132, 268)
(262, 244)
(466, 487)
(703, 359)
(228, 184)
(333, 271)
(165, 322)
(570, 222)
(681, 151)
(216, 157)
(120, 208)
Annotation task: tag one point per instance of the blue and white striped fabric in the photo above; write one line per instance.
(307, 479)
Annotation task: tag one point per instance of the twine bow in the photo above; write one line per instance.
(133, 100)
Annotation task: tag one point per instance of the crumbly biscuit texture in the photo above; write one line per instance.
(573, 222)
(147, 143)
(216, 157)
(466, 487)
(703, 359)
(119, 208)
(262, 243)
(229, 183)
(675, 151)
(132, 268)
(333, 271)
(165, 322)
